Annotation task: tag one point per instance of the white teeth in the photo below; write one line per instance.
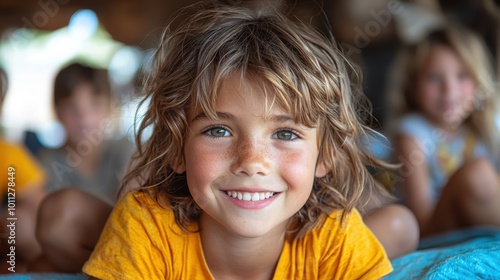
(250, 196)
(246, 196)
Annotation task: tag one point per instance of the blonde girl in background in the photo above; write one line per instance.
(446, 135)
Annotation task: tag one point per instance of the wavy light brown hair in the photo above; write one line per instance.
(303, 72)
(474, 54)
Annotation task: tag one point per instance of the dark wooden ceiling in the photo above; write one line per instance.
(135, 22)
(128, 21)
(132, 22)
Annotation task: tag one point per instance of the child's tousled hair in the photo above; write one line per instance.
(476, 58)
(299, 69)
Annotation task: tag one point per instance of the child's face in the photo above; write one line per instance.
(82, 115)
(248, 171)
(445, 91)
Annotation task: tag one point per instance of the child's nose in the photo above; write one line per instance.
(449, 87)
(252, 158)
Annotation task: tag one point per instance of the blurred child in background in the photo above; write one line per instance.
(446, 136)
(84, 175)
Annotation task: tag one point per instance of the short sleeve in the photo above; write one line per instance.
(126, 248)
(358, 253)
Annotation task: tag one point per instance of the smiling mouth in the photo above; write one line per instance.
(245, 196)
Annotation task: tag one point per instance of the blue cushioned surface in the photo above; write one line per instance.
(466, 254)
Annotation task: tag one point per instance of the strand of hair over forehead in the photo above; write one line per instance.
(300, 55)
(261, 28)
(229, 14)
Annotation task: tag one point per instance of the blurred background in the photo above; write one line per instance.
(39, 36)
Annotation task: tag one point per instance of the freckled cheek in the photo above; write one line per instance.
(298, 168)
(203, 164)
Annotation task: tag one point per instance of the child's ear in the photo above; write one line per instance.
(321, 169)
(179, 166)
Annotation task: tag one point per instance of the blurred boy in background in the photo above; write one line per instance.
(84, 175)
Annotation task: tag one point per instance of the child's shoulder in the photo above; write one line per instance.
(416, 126)
(11, 149)
(147, 206)
(412, 121)
(335, 243)
(145, 199)
(49, 155)
(336, 225)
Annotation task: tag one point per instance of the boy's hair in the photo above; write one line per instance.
(75, 75)
(300, 71)
(477, 60)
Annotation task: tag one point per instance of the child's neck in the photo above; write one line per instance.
(229, 256)
(449, 134)
(446, 130)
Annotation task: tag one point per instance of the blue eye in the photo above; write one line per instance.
(217, 132)
(286, 135)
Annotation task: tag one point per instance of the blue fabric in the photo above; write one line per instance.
(466, 254)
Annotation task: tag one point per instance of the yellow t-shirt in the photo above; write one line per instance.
(26, 170)
(142, 241)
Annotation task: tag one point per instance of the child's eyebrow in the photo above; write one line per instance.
(220, 115)
(282, 118)
(228, 116)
